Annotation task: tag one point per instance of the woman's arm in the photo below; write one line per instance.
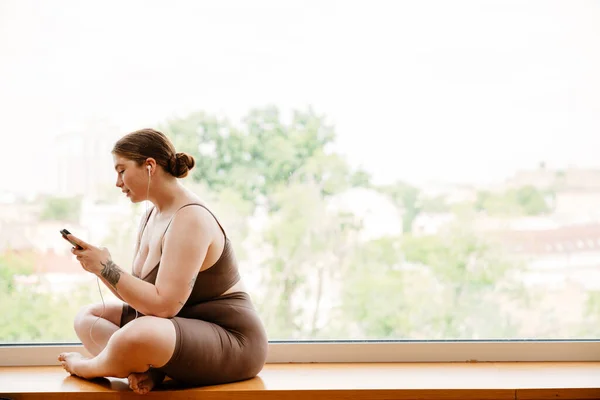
(185, 246)
(110, 288)
(142, 224)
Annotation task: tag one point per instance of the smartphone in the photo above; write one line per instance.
(64, 234)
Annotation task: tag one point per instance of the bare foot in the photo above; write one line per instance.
(72, 363)
(142, 383)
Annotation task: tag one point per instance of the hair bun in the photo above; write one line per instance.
(183, 163)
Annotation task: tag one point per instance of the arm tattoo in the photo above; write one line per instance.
(111, 272)
(191, 284)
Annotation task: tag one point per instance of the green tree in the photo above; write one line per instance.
(436, 204)
(523, 201)
(305, 245)
(429, 287)
(377, 295)
(467, 267)
(286, 171)
(531, 200)
(591, 328)
(12, 264)
(282, 176)
(65, 209)
(263, 154)
(406, 198)
(29, 312)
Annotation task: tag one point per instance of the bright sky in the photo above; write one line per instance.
(449, 90)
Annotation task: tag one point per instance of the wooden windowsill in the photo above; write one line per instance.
(569, 380)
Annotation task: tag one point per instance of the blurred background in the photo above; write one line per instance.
(386, 170)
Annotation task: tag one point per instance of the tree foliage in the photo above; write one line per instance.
(273, 182)
(523, 201)
(65, 209)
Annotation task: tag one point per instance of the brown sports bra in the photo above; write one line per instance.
(214, 280)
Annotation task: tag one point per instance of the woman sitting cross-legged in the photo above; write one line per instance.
(185, 312)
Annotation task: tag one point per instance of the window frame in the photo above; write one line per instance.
(365, 351)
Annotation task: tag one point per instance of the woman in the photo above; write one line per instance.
(185, 311)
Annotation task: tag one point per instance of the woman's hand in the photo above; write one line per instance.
(93, 259)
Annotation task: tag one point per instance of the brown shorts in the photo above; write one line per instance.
(218, 341)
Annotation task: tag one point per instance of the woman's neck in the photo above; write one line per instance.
(166, 195)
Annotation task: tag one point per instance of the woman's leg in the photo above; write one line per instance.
(89, 324)
(143, 343)
(95, 324)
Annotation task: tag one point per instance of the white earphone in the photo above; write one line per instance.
(98, 280)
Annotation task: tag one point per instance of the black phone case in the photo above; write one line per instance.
(64, 234)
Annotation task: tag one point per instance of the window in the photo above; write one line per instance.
(387, 171)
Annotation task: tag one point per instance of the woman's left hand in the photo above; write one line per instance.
(93, 259)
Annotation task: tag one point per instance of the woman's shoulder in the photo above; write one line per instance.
(196, 214)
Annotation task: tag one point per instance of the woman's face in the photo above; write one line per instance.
(131, 178)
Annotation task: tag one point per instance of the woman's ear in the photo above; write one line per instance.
(151, 165)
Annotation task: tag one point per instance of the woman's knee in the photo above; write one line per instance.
(88, 314)
(139, 332)
(81, 321)
(91, 312)
(145, 333)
